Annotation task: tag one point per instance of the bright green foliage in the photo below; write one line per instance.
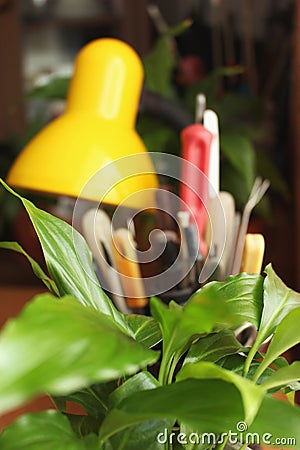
(75, 345)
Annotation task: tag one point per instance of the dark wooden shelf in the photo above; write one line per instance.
(32, 23)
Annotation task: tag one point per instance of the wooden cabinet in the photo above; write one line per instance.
(295, 135)
(17, 30)
(11, 90)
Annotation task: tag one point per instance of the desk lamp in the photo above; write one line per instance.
(96, 130)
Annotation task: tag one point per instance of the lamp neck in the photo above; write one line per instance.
(107, 82)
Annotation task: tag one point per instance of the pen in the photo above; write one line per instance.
(221, 207)
(194, 190)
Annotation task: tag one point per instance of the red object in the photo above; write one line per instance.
(191, 70)
(194, 187)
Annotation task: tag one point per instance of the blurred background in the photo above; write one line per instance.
(244, 55)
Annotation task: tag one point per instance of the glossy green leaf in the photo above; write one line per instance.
(38, 271)
(47, 430)
(213, 347)
(94, 399)
(174, 339)
(83, 425)
(69, 260)
(59, 346)
(145, 329)
(142, 381)
(235, 363)
(205, 405)
(286, 336)
(191, 439)
(278, 300)
(251, 393)
(277, 420)
(242, 293)
(179, 326)
(283, 376)
(143, 434)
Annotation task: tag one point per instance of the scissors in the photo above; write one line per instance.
(97, 230)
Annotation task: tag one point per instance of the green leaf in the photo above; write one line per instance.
(145, 329)
(233, 182)
(140, 382)
(83, 425)
(234, 108)
(208, 406)
(38, 271)
(158, 136)
(69, 260)
(283, 376)
(143, 434)
(216, 305)
(277, 420)
(94, 399)
(213, 347)
(242, 293)
(210, 87)
(251, 393)
(91, 442)
(159, 67)
(59, 346)
(179, 28)
(179, 326)
(47, 430)
(286, 336)
(235, 363)
(279, 300)
(241, 154)
(268, 170)
(189, 432)
(56, 88)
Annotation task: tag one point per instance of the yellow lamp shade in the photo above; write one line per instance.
(89, 151)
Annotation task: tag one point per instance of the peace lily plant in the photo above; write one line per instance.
(178, 379)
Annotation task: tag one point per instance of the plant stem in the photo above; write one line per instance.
(221, 445)
(254, 349)
(249, 359)
(172, 369)
(165, 365)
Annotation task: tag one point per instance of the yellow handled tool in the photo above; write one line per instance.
(253, 253)
(129, 269)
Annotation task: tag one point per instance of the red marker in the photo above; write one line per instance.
(194, 188)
